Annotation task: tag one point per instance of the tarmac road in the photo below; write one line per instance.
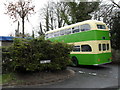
(103, 76)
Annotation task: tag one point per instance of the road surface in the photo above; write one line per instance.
(103, 76)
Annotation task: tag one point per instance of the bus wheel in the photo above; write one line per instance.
(74, 61)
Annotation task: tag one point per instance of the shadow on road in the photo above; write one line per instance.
(100, 67)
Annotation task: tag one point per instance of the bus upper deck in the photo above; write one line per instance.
(92, 29)
(78, 27)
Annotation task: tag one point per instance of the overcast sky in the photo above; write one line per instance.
(7, 26)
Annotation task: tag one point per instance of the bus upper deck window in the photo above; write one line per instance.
(85, 27)
(56, 34)
(68, 31)
(46, 36)
(62, 32)
(75, 29)
(101, 26)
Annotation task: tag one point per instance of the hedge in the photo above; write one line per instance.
(26, 55)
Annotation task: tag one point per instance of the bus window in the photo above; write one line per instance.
(76, 49)
(62, 32)
(68, 31)
(101, 26)
(46, 35)
(75, 29)
(107, 46)
(56, 34)
(99, 46)
(50, 35)
(104, 47)
(86, 48)
(85, 27)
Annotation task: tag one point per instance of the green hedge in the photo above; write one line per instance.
(6, 60)
(25, 55)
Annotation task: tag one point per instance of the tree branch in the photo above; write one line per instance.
(115, 3)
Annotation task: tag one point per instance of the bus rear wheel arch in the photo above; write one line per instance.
(74, 61)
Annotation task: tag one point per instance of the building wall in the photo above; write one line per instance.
(0, 43)
(7, 43)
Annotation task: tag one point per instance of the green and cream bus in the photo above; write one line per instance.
(90, 39)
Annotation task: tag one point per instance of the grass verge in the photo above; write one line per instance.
(8, 78)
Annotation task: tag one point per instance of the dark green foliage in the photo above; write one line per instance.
(6, 60)
(80, 11)
(115, 32)
(27, 54)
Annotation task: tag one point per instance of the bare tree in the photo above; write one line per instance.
(115, 3)
(53, 15)
(41, 31)
(20, 10)
(60, 12)
(106, 12)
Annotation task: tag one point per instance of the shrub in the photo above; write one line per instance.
(25, 55)
(6, 60)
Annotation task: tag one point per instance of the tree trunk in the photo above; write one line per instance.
(23, 27)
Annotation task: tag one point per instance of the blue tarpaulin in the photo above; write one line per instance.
(6, 38)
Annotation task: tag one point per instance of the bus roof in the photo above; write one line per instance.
(76, 24)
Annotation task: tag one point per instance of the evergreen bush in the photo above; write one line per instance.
(6, 60)
(26, 55)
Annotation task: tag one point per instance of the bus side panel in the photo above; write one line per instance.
(104, 58)
(102, 35)
(85, 59)
(92, 59)
(77, 37)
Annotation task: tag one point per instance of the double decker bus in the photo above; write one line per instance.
(90, 39)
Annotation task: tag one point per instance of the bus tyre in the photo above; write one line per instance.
(74, 61)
